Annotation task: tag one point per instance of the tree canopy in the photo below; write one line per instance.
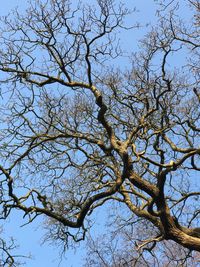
(79, 130)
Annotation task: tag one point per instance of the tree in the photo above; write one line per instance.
(8, 257)
(119, 249)
(76, 132)
(114, 253)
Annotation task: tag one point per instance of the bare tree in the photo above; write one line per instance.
(8, 255)
(7, 259)
(77, 132)
(119, 249)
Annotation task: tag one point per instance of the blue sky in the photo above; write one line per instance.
(30, 237)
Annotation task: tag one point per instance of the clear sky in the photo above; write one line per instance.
(30, 237)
